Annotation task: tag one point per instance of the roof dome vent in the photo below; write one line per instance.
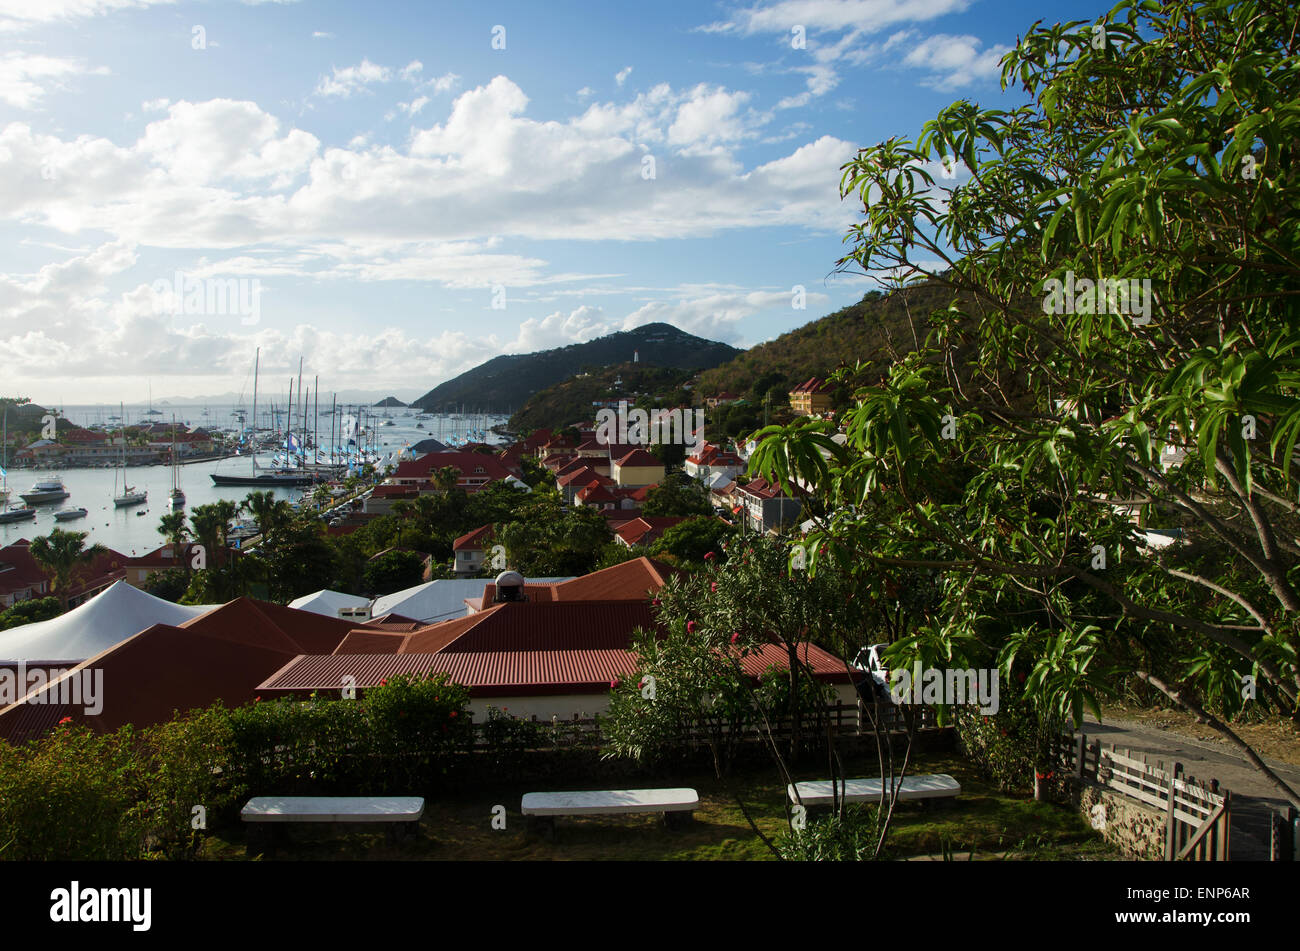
(510, 586)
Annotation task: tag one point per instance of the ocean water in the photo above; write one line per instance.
(134, 530)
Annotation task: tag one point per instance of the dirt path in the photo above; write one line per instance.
(1252, 798)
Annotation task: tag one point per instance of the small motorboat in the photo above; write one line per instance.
(67, 515)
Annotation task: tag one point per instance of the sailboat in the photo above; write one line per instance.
(129, 496)
(9, 513)
(284, 478)
(177, 498)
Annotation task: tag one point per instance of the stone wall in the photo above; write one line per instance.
(1136, 828)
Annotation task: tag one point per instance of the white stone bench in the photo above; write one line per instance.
(401, 812)
(676, 805)
(929, 786)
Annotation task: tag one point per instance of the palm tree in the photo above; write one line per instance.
(172, 528)
(445, 478)
(271, 514)
(211, 525)
(60, 554)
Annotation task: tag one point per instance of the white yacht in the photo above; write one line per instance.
(45, 490)
(66, 515)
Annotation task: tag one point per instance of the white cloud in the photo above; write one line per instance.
(956, 61)
(868, 16)
(225, 175)
(560, 330)
(586, 92)
(715, 312)
(207, 142)
(412, 70)
(155, 105)
(344, 82)
(711, 115)
(24, 14)
(621, 76)
(443, 83)
(413, 107)
(24, 78)
(322, 35)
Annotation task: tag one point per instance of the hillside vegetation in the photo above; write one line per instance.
(504, 384)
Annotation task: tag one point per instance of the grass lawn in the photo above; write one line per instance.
(459, 828)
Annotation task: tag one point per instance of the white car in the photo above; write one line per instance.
(869, 662)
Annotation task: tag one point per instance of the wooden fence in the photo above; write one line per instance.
(1197, 816)
(1284, 836)
(846, 719)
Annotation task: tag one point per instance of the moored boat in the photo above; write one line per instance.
(45, 490)
(67, 515)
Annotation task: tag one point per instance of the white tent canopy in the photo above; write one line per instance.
(327, 602)
(437, 600)
(115, 614)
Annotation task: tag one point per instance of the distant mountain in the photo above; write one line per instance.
(390, 401)
(505, 383)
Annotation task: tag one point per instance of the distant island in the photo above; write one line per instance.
(390, 402)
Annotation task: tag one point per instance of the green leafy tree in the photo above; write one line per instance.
(690, 541)
(548, 539)
(30, 611)
(63, 555)
(393, 571)
(678, 494)
(1116, 337)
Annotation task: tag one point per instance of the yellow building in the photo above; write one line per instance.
(811, 398)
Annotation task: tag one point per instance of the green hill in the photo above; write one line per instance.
(875, 329)
(504, 384)
(571, 401)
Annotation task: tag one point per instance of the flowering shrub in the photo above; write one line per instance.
(1011, 745)
(69, 795)
(189, 764)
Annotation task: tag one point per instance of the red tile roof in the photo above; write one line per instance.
(638, 457)
(221, 655)
(475, 540)
(645, 530)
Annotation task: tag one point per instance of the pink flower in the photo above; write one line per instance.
(713, 586)
(735, 637)
(690, 627)
(613, 684)
(708, 556)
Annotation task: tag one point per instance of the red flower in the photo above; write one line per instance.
(708, 556)
(735, 637)
(713, 586)
(690, 627)
(257, 699)
(384, 682)
(613, 683)
(452, 714)
(65, 720)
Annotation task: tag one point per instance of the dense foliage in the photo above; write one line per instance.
(1156, 148)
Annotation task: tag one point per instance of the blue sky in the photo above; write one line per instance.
(386, 191)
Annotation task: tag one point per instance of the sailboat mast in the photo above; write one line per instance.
(252, 439)
(315, 425)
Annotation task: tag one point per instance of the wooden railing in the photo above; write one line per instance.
(846, 719)
(1197, 815)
